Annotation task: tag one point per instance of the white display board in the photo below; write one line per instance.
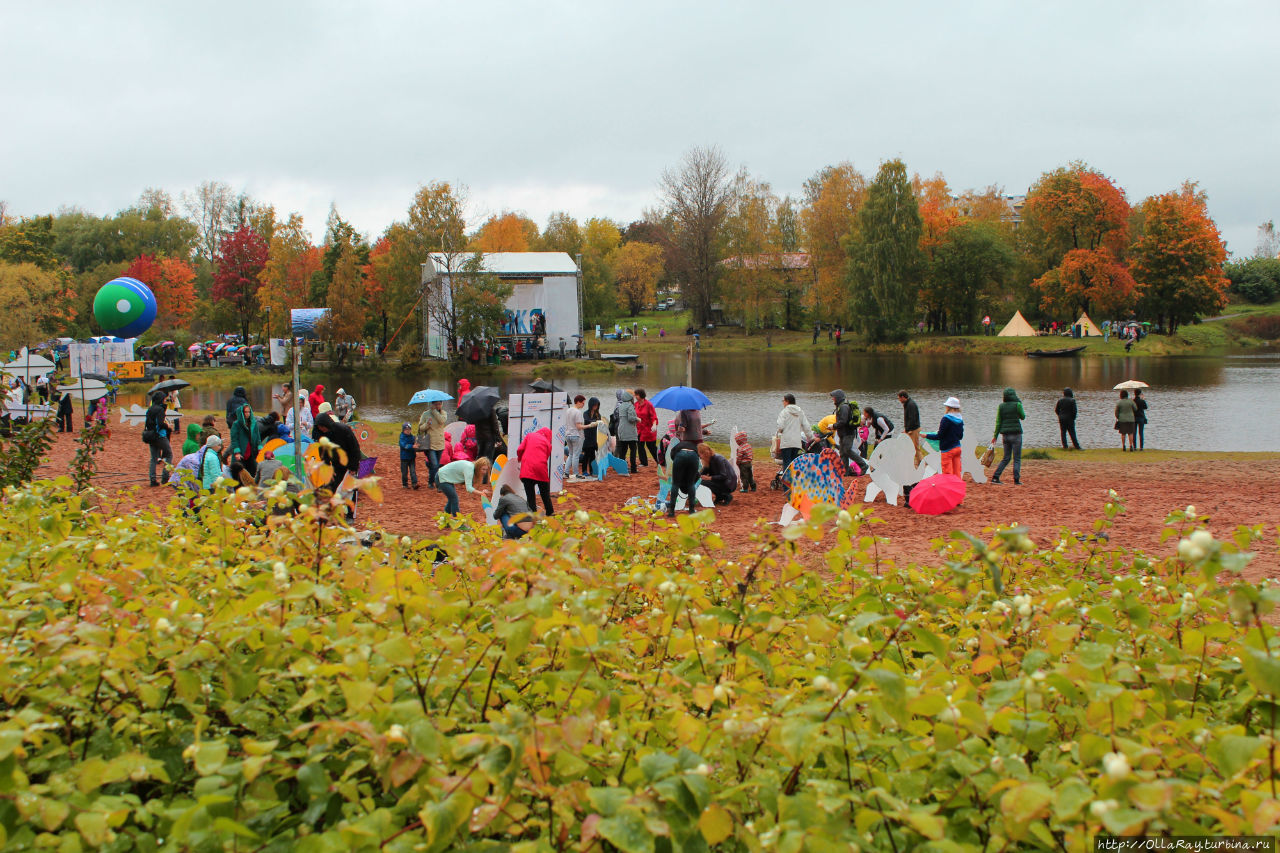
(279, 352)
(529, 412)
(94, 358)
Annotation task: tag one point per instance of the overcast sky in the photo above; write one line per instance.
(580, 106)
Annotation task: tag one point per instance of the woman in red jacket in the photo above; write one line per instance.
(316, 398)
(534, 454)
(646, 427)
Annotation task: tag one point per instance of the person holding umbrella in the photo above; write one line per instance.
(155, 432)
(431, 437)
(479, 409)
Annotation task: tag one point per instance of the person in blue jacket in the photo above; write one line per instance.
(950, 431)
(408, 456)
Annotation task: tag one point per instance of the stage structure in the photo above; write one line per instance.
(546, 297)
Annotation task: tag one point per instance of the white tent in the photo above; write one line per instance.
(1017, 327)
(1087, 327)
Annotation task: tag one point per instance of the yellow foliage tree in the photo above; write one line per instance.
(345, 323)
(29, 301)
(637, 266)
(506, 232)
(286, 279)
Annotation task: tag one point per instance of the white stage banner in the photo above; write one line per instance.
(93, 358)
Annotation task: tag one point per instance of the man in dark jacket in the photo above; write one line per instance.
(911, 421)
(847, 418)
(717, 475)
(488, 435)
(1066, 412)
(158, 430)
(239, 399)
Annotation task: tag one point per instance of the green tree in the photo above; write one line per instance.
(885, 266)
(1255, 279)
(31, 304)
(480, 301)
(339, 235)
(968, 270)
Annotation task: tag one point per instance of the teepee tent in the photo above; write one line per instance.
(1087, 327)
(1018, 327)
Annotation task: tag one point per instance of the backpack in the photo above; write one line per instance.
(613, 422)
(855, 415)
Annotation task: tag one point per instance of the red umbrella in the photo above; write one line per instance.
(937, 494)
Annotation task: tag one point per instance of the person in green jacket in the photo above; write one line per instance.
(195, 433)
(1009, 418)
(245, 441)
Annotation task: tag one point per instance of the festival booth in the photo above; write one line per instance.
(546, 298)
(1017, 327)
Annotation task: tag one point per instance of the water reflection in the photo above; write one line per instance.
(1196, 403)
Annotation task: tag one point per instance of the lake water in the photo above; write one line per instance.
(1230, 403)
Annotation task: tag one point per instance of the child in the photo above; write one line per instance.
(513, 513)
(948, 436)
(744, 461)
(408, 456)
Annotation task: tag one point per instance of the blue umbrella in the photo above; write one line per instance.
(679, 397)
(429, 395)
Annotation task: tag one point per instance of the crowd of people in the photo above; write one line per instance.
(630, 434)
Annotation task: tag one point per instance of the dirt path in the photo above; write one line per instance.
(1054, 494)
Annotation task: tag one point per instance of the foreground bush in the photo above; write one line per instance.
(213, 683)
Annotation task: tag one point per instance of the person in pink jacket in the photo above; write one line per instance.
(534, 454)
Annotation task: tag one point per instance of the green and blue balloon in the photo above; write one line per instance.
(124, 307)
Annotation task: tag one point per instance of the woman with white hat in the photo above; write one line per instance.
(948, 436)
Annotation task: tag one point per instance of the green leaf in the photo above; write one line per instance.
(210, 755)
(1233, 753)
(1262, 670)
(441, 821)
(1025, 803)
(627, 831)
(716, 824)
(1072, 796)
(607, 801)
(397, 650)
(658, 765)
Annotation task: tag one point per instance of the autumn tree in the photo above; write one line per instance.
(1075, 230)
(292, 262)
(506, 232)
(436, 225)
(938, 215)
(1177, 258)
(30, 304)
(339, 235)
(697, 195)
(344, 324)
(637, 266)
(832, 199)
(31, 241)
(600, 237)
(480, 301)
(753, 268)
(172, 282)
(884, 255)
(241, 257)
(562, 234)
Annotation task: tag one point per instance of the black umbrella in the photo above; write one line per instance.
(153, 370)
(479, 403)
(169, 385)
(101, 377)
(544, 385)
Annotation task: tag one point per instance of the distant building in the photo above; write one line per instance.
(546, 288)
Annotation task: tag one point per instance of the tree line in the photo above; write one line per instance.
(884, 254)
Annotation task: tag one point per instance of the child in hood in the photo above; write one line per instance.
(195, 434)
(408, 456)
(743, 451)
(948, 436)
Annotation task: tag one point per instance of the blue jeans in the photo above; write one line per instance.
(1012, 449)
(451, 505)
(433, 465)
(510, 531)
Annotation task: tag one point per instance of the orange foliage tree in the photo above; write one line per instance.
(832, 199)
(506, 232)
(1178, 257)
(1076, 227)
(938, 215)
(286, 279)
(172, 280)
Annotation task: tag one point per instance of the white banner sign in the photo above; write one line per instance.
(279, 352)
(529, 412)
(94, 358)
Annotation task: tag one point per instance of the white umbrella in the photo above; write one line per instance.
(1131, 384)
